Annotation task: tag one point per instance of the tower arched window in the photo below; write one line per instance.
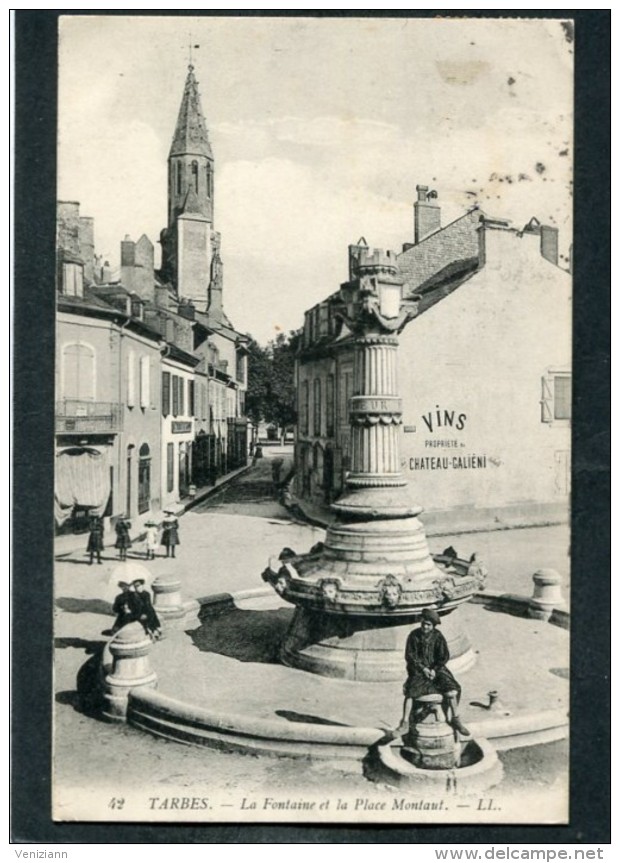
(195, 175)
(209, 180)
(178, 178)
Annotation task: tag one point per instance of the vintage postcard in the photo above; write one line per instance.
(313, 420)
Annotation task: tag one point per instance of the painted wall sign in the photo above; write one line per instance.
(456, 462)
(442, 418)
(386, 404)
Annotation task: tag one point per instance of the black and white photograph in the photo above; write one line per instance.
(312, 414)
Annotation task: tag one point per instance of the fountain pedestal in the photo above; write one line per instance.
(358, 596)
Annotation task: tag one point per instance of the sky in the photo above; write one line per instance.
(321, 130)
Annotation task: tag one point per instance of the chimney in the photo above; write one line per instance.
(106, 273)
(128, 262)
(426, 214)
(144, 275)
(549, 243)
(68, 228)
(87, 246)
(355, 253)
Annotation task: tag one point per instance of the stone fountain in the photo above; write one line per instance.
(358, 594)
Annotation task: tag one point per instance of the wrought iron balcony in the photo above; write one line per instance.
(75, 416)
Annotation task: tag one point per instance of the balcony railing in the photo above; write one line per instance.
(74, 416)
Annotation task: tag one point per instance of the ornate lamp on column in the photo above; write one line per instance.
(358, 597)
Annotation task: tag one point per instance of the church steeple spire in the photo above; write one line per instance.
(190, 162)
(187, 240)
(190, 135)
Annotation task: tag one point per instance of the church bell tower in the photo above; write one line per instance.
(188, 239)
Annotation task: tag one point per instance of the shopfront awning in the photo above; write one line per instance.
(82, 479)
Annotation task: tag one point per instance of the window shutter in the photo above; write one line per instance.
(175, 395)
(131, 382)
(145, 382)
(181, 396)
(165, 393)
(546, 401)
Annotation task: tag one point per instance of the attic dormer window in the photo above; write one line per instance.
(72, 280)
(195, 175)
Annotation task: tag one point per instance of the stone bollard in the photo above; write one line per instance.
(167, 600)
(547, 594)
(172, 610)
(131, 669)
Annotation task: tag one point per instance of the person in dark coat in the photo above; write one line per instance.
(146, 613)
(170, 532)
(426, 656)
(123, 540)
(125, 607)
(95, 539)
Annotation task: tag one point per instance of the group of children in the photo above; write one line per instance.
(134, 604)
(169, 537)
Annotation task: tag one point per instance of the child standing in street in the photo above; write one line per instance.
(151, 539)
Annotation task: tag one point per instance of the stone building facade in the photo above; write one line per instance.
(484, 373)
(151, 373)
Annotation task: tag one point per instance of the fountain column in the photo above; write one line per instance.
(358, 597)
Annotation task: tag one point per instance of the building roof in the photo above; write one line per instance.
(190, 134)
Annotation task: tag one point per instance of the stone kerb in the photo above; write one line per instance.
(173, 611)
(131, 669)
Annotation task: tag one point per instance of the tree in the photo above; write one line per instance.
(271, 381)
(281, 405)
(259, 373)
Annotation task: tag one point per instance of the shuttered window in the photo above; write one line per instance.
(145, 382)
(317, 407)
(555, 402)
(329, 406)
(181, 396)
(131, 379)
(175, 396)
(78, 366)
(191, 407)
(165, 393)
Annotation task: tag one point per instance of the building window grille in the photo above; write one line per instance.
(555, 402)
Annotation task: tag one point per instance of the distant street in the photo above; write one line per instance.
(225, 544)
